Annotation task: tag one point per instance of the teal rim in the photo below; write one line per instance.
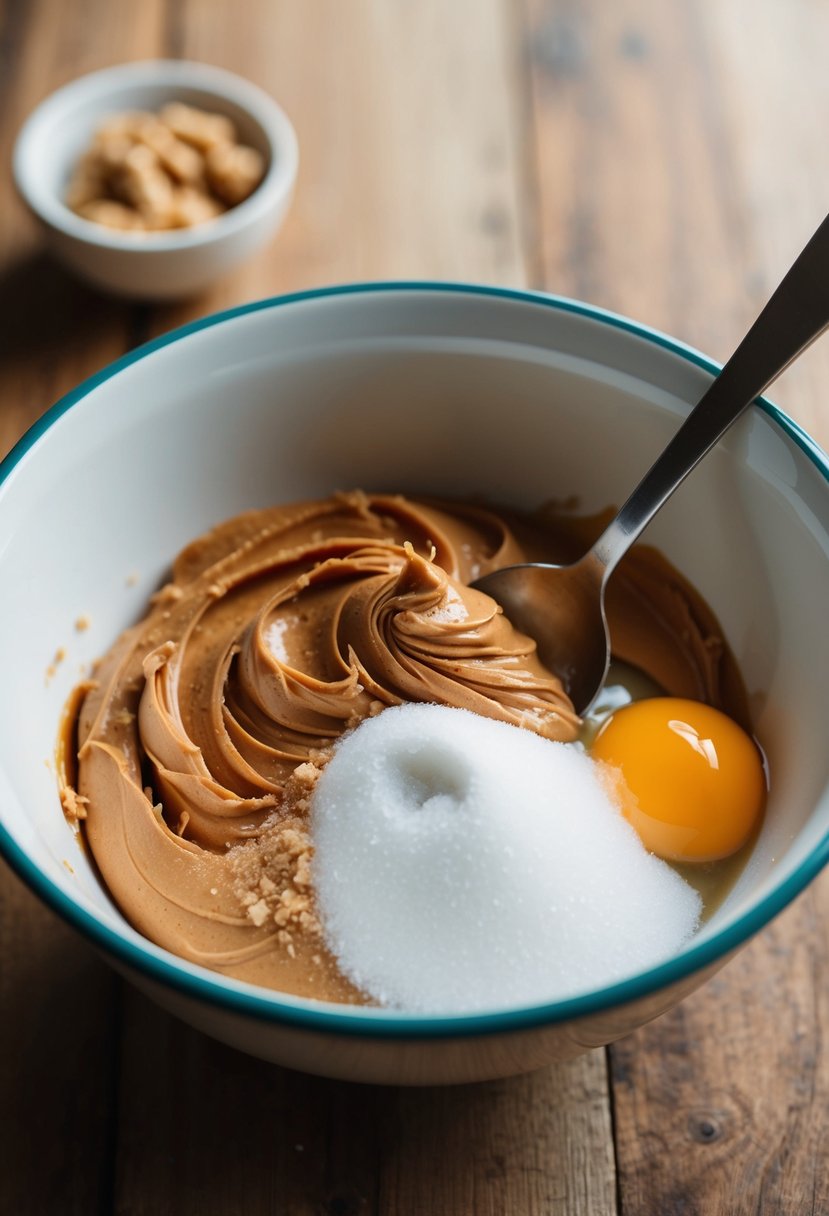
(366, 1022)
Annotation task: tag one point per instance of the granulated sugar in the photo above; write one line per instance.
(466, 864)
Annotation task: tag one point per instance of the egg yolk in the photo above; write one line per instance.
(687, 777)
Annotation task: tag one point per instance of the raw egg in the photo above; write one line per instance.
(687, 777)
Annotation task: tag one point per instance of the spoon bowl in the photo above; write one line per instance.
(562, 607)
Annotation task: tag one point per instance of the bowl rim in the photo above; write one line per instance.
(273, 1007)
(279, 133)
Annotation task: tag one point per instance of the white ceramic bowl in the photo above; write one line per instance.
(165, 264)
(435, 388)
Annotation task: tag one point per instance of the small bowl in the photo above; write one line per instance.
(162, 265)
(452, 390)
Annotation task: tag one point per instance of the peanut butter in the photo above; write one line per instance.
(208, 723)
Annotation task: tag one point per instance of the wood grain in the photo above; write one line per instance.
(59, 1004)
(59, 1023)
(375, 199)
(636, 191)
(663, 159)
(409, 133)
(677, 181)
(721, 1105)
(54, 331)
(230, 1134)
(782, 168)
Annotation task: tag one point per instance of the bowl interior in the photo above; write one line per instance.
(440, 391)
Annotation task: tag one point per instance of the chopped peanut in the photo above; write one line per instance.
(88, 182)
(112, 215)
(234, 171)
(191, 207)
(197, 127)
(154, 172)
(141, 181)
(178, 159)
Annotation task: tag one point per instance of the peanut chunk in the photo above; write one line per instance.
(234, 171)
(190, 206)
(112, 215)
(155, 172)
(141, 181)
(197, 127)
(179, 159)
(88, 182)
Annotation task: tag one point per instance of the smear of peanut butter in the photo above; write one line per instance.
(208, 722)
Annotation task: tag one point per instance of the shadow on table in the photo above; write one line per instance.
(209, 1130)
(50, 317)
(58, 1020)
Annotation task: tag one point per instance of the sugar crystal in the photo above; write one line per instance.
(466, 864)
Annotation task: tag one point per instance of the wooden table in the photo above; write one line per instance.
(666, 158)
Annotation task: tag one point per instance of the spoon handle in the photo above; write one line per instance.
(796, 314)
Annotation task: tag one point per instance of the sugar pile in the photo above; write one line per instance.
(465, 864)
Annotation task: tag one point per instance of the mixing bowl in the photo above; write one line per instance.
(418, 388)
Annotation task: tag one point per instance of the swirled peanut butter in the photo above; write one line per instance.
(207, 724)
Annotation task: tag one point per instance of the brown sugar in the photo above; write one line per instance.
(273, 872)
(74, 804)
(272, 878)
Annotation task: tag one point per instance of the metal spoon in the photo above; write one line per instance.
(562, 607)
